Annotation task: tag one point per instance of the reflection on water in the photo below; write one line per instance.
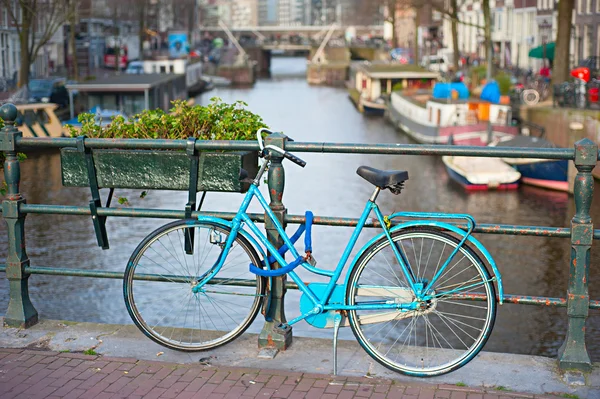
(327, 186)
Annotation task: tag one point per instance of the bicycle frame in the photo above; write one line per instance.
(321, 303)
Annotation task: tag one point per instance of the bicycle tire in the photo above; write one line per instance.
(437, 321)
(160, 275)
(530, 96)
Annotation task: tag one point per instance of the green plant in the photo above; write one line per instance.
(90, 352)
(64, 351)
(460, 384)
(504, 83)
(570, 396)
(398, 86)
(478, 73)
(501, 388)
(216, 121)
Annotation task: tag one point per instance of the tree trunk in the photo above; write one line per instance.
(563, 41)
(117, 40)
(72, 41)
(416, 42)
(142, 33)
(391, 4)
(24, 39)
(454, 21)
(24, 66)
(487, 29)
(191, 22)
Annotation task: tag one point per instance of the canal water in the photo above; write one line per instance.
(327, 186)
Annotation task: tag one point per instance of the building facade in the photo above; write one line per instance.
(9, 48)
(585, 41)
(244, 13)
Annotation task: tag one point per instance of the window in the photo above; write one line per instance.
(588, 7)
(580, 6)
(598, 8)
(499, 25)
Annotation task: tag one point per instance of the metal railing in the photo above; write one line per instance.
(22, 313)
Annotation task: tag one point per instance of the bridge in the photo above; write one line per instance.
(287, 47)
(371, 29)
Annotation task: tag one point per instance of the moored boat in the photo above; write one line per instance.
(439, 121)
(38, 120)
(371, 82)
(477, 174)
(546, 173)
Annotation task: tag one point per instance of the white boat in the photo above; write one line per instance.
(370, 82)
(461, 122)
(476, 174)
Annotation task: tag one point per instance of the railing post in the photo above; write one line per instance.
(573, 353)
(271, 336)
(20, 312)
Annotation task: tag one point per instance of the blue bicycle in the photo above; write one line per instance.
(418, 296)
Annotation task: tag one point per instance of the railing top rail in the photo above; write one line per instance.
(316, 147)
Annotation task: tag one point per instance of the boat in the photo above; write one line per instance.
(39, 120)
(439, 121)
(478, 174)
(546, 173)
(371, 82)
(213, 81)
(195, 81)
(102, 117)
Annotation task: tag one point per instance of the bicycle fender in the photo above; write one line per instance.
(441, 225)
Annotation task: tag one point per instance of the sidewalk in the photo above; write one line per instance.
(52, 357)
(45, 374)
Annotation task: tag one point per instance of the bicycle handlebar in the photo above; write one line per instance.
(286, 154)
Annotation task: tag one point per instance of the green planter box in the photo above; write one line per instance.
(159, 170)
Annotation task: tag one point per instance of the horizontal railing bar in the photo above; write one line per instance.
(485, 228)
(317, 147)
(515, 299)
(432, 149)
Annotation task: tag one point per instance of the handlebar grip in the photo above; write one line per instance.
(294, 159)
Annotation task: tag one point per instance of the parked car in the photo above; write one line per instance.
(435, 63)
(135, 68)
(48, 91)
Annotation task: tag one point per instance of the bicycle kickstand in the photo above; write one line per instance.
(337, 321)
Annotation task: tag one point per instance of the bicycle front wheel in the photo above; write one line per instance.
(164, 269)
(445, 332)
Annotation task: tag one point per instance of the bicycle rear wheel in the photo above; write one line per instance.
(160, 277)
(444, 333)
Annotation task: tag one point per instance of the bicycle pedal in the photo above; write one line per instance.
(282, 329)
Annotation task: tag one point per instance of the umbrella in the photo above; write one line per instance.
(538, 52)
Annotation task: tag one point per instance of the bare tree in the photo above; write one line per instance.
(72, 7)
(142, 7)
(487, 33)
(36, 21)
(562, 52)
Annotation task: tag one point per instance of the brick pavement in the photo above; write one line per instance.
(43, 374)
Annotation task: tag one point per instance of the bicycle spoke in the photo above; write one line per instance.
(169, 311)
(436, 337)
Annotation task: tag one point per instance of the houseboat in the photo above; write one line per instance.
(130, 94)
(442, 121)
(38, 120)
(192, 69)
(371, 82)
